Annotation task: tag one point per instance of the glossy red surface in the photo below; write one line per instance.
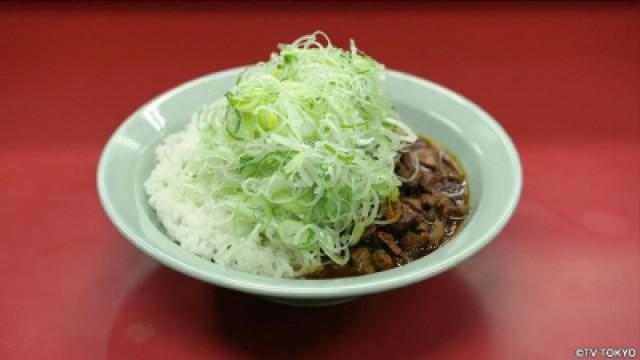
(564, 80)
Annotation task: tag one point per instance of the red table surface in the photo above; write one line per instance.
(563, 79)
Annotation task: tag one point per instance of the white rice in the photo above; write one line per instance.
(200, 223)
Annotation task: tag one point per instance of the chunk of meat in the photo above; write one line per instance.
(454, 188)
(450, 207)
(437, 233)
(428, 156)
(450, 228)
(444, 203)
(381, 260)
(408, 217)
(390, 242)
(331, 271)
(437, 201)
(431, 215)
(420, 143)
(361, 258)
(392, 212)
(369, 233)
(422, 226)
(458, 210)
(452, 175)
(414, 202)
(427, 179)
(429, 200)
(413, 243)
(435, 187)
(404, 171)
(450, 166)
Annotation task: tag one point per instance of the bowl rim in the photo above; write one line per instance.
(301, 288)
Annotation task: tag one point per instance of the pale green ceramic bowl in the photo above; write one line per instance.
(484, 149)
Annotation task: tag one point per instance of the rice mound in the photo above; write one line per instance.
(193, 218)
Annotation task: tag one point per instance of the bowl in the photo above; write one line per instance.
(483, 148)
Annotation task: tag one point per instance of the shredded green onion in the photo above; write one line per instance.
(303, 147)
